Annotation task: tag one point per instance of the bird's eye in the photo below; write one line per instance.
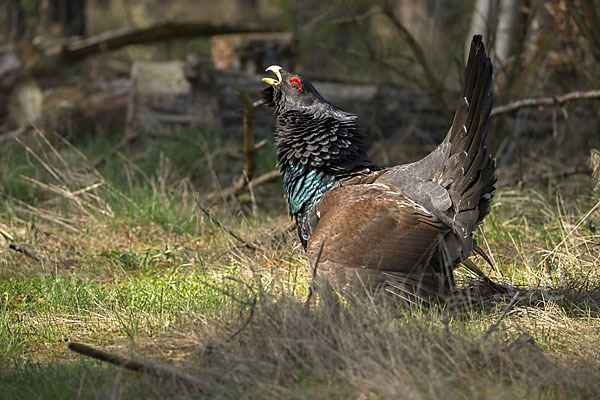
(296, 84)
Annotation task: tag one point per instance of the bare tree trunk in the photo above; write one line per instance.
(70, 14)
(483, 23)
(502, 24)
(510, 23)
(16, 20)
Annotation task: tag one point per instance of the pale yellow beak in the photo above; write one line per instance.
(276, 70)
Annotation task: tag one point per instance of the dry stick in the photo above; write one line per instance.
(245, 181)
(227, 230)
(25, 251)
(249, 147)
(545, 101)
(249, 150)
(4, 232)
(494, 326)
(144, 366)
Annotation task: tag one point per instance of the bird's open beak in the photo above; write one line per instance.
(276, 70)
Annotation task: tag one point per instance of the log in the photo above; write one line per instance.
(77, 49)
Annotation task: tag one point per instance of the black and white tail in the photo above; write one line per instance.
(468, 172)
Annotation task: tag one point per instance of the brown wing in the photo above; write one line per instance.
(377, 236)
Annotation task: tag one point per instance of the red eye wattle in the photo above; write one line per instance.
(297, 82)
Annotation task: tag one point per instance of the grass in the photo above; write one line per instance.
(128, 263)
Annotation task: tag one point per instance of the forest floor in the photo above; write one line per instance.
(122, 257)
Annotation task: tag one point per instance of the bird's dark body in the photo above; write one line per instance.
(401, 229)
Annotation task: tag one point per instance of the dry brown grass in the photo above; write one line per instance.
(257, 338)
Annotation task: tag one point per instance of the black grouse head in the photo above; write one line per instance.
(310, 131)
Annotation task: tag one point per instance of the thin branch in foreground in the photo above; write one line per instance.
(495, 325)
(5, 233)
(144, 366)
(553, 101)
(226, 229)
(25, 251)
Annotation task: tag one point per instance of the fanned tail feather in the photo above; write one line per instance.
(469, 171)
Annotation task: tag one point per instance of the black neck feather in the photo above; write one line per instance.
(314, 151)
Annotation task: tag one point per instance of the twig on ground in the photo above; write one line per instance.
(545, 101)
(25, 251)
(226, 229)
(495, 325)
(4, 232)
(144, 366)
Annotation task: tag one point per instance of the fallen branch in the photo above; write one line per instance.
(25, 251)
(144, 366)
(5, 232)
(495, 325)
(226, 229)
(553, 101)
(77, 49)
